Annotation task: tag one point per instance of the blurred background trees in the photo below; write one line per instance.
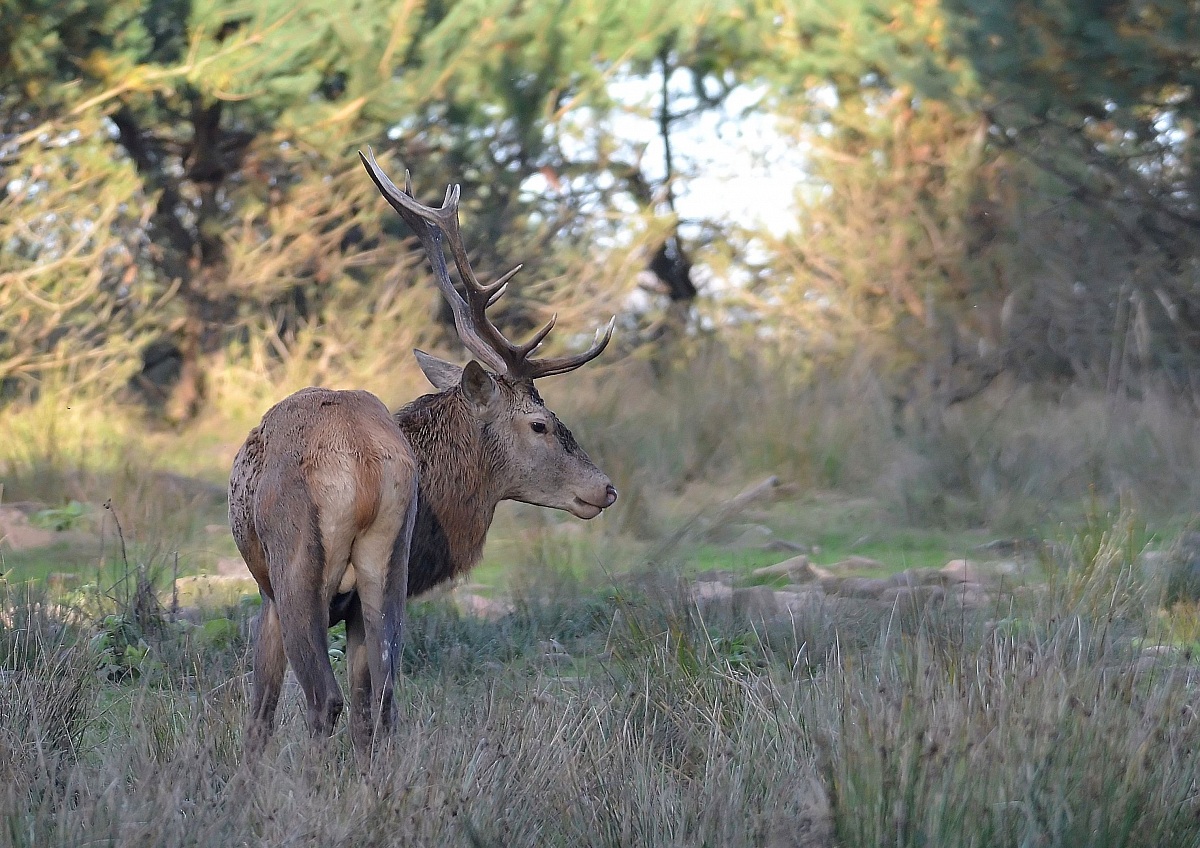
(980, 189)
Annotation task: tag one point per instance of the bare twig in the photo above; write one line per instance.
(175, 588)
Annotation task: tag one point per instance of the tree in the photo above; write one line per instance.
(1103, 100)
(225, 134)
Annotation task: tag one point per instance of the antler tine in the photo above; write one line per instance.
(533, 369)
(480, 337)
(537, 338)
(474, 327)
(495, 289)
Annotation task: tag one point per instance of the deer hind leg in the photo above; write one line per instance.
(362, 719)
(296, 560)
(380, 556)
(270, 663)
(305, 623)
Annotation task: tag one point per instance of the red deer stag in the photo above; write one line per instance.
(341, 510)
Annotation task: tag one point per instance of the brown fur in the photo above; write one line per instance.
(341, 510)
(459, 490)
(322, 501)
(467, 466)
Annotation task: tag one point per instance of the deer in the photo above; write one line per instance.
(342, 510)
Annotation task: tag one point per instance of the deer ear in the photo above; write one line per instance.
(478, 386)
(442, 374)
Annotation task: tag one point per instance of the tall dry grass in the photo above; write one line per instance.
(622, 716)
(1012, 458)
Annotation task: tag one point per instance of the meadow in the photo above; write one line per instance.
(580, 690)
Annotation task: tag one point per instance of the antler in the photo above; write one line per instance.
(475, 329)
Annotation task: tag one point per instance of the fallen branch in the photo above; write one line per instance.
(707, 520)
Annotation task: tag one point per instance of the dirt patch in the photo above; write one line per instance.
(17, 534)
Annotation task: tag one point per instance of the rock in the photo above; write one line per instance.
(831, 584)
(919, 577)
(708, 592)
(803, 600)
(970, 571)
(755, 602)
(857, 563)
(1002, 568)
(17, 534)
(961, 570)
(971, 596)
(797, 570)
(913, 598)
(861, 587)
(1010, 547)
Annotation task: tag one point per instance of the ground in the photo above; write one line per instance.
(778, 668)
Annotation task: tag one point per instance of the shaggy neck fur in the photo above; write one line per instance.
(459, 487)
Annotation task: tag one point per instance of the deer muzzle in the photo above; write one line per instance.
(594, 504)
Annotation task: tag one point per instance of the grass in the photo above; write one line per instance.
(606, 709)
(846, 726)
(37, 564)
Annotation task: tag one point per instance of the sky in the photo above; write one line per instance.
(732, 165)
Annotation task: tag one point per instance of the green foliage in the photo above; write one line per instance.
(220, 140)
(181, 186)
(59, 518)
(121, 652)
(1110, 62)
(1099, 100)
(862, 47)
(73, 295)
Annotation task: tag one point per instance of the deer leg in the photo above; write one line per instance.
(374, 669)
(305, 637)
(270, 663)
(381, 565)
(361, 718)
(288, 523)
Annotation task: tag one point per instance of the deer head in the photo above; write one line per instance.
(534, 456)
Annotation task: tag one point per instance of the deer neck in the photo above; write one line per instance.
(458, 491)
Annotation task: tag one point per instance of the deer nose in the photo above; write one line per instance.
(610, 496)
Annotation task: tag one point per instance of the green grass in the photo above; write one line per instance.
(36, 564)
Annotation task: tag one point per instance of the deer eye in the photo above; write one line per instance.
(538, 426)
